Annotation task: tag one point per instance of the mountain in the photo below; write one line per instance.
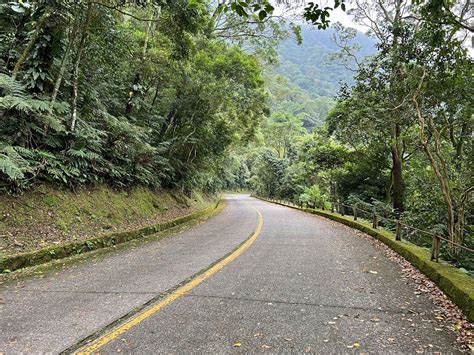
(306, 80)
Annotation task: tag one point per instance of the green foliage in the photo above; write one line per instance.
(305, 80)
(313, 13)
(412, 102)
(312, 195)
(124, 95)
(398, 141)
(12, 165)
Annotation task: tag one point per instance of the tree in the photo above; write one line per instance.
(123, 93)
(442, 98)
(415, 95)
(281, 131)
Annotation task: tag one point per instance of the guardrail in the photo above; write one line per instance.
(376, 218)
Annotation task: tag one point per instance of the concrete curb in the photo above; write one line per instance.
(44, 255)
(457, 285)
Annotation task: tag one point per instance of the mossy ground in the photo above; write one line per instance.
(46, 216)
(52, 266)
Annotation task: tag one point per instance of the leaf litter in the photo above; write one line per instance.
(446, 311)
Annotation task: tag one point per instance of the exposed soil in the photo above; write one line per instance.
(45, 216)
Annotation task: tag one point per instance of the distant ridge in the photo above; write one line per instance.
(305, 81)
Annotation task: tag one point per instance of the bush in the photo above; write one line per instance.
(312, 194)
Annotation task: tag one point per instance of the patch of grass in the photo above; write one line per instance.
(48, 200)
(52, 267)
(62, 225)
(48, 254)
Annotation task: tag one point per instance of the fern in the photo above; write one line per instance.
(9, 86)
(52, 122)
(24, 104)
(83, 154)
(12, 164)
(10, 168)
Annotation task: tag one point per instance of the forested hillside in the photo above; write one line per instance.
(148, 93)
(308, 76)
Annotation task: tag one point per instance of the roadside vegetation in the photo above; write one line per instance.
(398, 139)
(134, 93)
(184, 95)
(46, 216)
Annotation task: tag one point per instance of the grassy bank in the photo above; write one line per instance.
(47, 217)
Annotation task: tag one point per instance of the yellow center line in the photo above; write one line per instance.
(181, 291)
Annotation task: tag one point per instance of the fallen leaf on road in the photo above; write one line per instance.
(447, 310)
(237, 344)
(356, 345)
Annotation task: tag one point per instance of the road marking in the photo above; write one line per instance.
(103, 340)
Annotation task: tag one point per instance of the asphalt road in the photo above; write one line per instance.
(305, 284)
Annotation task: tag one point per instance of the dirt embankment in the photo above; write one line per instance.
(46, 216)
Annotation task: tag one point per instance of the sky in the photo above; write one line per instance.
(337, 15)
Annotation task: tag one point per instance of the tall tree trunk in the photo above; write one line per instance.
(455, 213)
(29, 46)
(57, 83)
(396, 151)
(63, 65)
(397, 173)
(76, 65)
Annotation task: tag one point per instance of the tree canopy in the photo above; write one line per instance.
(134, 93)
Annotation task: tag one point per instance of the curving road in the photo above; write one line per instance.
(300, 284)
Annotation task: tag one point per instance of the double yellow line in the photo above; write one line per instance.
(103, 340)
